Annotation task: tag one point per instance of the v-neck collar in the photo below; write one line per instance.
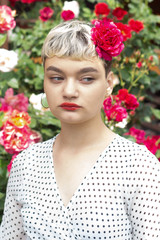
(87, 176)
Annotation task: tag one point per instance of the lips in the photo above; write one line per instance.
(70, 106)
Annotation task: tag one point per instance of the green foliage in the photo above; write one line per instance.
(3, 38)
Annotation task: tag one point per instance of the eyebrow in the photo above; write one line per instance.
(83, 70)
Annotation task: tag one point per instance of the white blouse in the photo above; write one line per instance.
(118, 199)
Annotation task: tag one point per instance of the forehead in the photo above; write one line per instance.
(68, 63)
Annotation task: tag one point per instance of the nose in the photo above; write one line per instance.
(70, 89)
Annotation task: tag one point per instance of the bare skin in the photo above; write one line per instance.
(83, 135)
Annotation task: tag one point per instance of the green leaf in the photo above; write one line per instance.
(158, 153)
(47, 132)
(3, 38)
(13, 83)
(156, 113)
(33, 123)
(1, 118)
(1, 195)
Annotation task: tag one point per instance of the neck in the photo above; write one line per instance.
(84, 134)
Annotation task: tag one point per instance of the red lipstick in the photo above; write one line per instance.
(69, 106)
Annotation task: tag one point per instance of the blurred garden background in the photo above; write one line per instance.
(133, 109)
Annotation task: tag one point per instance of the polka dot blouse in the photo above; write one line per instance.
(118, 199)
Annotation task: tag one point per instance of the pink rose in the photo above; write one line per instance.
(107, 104)
(7, 21)
(15, 139)
(139, 64)
(116, 113)
(67, 15)
(45, 13)
(19, 101)
(150, 58)
(138, 134)
(119, 13)
(107, 39)
(152, 143)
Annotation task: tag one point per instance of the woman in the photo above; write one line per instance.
(87, 182)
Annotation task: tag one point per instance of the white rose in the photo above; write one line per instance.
(73, 6)
(35, 100)
(122, 124)
(8, 60)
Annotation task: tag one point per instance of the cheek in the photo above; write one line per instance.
(96, 97)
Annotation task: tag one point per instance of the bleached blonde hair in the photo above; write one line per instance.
(71, 39)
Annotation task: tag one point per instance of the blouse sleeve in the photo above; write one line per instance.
(145, 204)
(12, 226)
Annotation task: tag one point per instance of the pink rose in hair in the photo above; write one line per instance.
(107, 38)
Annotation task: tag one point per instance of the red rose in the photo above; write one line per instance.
(122, 93)
(131, 102)
(119, 13)
(101, 9)
(125, 30)
(45, 13)
(136, 25)
(67, 15)
(107, 39)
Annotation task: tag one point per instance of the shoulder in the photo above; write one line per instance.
(128, 148)
(136, 158)
(32, 155)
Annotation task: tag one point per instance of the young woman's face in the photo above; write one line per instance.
(75, 89)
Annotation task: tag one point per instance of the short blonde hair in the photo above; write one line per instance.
(70, 39)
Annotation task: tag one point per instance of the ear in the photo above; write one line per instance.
(109, 80)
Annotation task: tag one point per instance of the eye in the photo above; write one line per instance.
(87, 79)
(56, 79)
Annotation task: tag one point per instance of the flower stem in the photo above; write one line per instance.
(121, 79)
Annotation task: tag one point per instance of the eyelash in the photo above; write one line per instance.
(88, 78)
(58, 79)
